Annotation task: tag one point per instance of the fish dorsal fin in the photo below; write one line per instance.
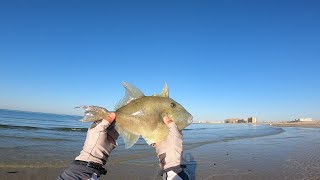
(132, 93)
(164, 92)
(128, 138)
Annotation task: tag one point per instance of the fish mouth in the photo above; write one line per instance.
(190, 119)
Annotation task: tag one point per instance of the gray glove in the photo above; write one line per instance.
(100, 141)
(169, 151)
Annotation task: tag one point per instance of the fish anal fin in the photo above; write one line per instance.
(148, 141)
(129, 138)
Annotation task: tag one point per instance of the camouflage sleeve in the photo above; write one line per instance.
(100, 141)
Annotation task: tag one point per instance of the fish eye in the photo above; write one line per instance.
(173, 105)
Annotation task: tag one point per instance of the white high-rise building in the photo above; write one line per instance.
(304, 119)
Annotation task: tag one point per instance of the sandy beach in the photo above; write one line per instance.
(293, 154)
(312, 124)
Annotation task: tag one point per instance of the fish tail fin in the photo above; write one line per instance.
(93, 113)
(129, 138)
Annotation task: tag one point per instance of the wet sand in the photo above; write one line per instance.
(312, 124)
(293, 154)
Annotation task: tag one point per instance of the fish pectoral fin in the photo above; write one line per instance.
(129, 138)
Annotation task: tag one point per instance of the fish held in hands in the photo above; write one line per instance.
(139, 115)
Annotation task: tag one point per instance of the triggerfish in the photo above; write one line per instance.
(139, 115)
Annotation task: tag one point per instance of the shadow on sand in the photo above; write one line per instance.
(191, 164)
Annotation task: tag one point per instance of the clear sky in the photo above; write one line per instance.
(221, 59)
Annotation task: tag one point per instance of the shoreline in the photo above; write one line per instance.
(293, 154)
(314, 124)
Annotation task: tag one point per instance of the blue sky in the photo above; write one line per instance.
(221, 59)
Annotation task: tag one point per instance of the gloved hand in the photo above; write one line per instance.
(100, 141)
(169, 151)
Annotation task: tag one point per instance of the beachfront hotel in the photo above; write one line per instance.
(239, 120)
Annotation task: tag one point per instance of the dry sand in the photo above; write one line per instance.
(294, 154)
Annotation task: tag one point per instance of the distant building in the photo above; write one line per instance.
(239, 120)
(232, 120)
(252, 120)
(304, 119)
(235, 120)
(242, 121)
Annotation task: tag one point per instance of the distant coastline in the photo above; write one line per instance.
(312, 124)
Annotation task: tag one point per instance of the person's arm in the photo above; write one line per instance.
(169, 152)
(100, 141)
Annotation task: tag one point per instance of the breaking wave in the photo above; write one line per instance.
(35, 138)
(5, 126)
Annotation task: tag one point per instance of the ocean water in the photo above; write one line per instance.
(30, 139)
